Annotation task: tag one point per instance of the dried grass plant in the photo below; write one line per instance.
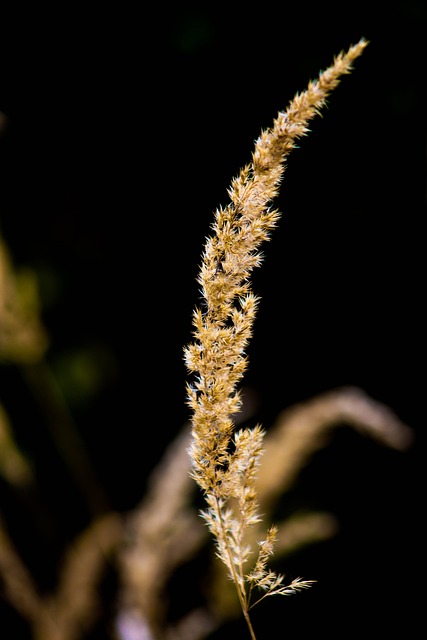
(224, 461)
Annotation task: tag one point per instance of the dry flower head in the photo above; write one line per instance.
(225, 463)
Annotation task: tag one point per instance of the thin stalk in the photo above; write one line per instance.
(249, 623)
(241, 595)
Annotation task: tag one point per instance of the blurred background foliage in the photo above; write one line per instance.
(121, 128)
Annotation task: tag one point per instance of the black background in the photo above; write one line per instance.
(124, 128)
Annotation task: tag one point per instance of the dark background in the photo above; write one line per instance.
(124, 128)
